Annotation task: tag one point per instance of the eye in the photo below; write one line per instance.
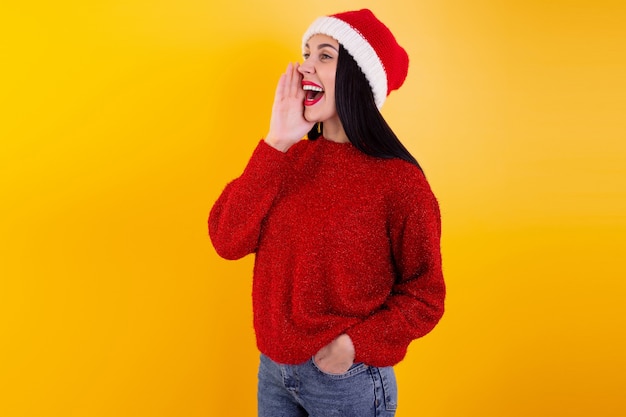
(306, 55)
(324, 57)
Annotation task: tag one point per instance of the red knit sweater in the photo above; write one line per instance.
(344, 243)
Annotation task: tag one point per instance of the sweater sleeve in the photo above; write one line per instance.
(416, 302)
(237, 216)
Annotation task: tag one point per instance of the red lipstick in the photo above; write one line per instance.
(313, 93)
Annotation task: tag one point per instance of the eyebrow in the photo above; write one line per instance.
(323, 45)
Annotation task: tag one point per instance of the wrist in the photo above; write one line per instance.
(278, 144)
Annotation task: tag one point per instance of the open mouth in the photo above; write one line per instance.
(313, 93)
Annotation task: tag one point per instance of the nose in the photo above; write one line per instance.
(306, 67)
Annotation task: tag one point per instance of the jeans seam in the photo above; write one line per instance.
(390, 405)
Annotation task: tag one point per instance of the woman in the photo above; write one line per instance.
(344, 227)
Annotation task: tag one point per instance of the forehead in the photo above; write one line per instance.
(320, 39)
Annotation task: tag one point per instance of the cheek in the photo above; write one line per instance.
(331, 90)
(330, 96)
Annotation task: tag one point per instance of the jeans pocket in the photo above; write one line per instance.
(355, 369)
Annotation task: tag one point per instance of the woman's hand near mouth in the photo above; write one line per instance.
(287, 124)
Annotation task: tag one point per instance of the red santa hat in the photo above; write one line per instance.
(372, 45)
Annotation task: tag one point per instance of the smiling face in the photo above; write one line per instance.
(318, 80)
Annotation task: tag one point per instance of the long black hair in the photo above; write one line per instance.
(363, 123)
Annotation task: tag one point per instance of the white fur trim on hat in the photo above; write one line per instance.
(358, 47)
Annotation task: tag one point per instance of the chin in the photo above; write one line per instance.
(310, 118)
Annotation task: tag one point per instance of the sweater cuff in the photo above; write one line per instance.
(374, 343)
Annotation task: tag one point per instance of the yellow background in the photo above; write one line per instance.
(122, 120)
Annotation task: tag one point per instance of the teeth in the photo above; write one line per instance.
(312, 88)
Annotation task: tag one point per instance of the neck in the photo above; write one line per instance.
(333, 131)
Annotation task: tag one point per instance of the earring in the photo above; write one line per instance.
(319, 127)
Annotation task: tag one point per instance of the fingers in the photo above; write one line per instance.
(280, 87)
(290, 83)
(299, 91)
(296, 81)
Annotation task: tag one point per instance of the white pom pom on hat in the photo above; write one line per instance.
(372, 45)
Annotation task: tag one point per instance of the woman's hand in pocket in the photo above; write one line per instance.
(337, 356)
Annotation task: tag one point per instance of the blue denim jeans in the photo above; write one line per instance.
(306, 391)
